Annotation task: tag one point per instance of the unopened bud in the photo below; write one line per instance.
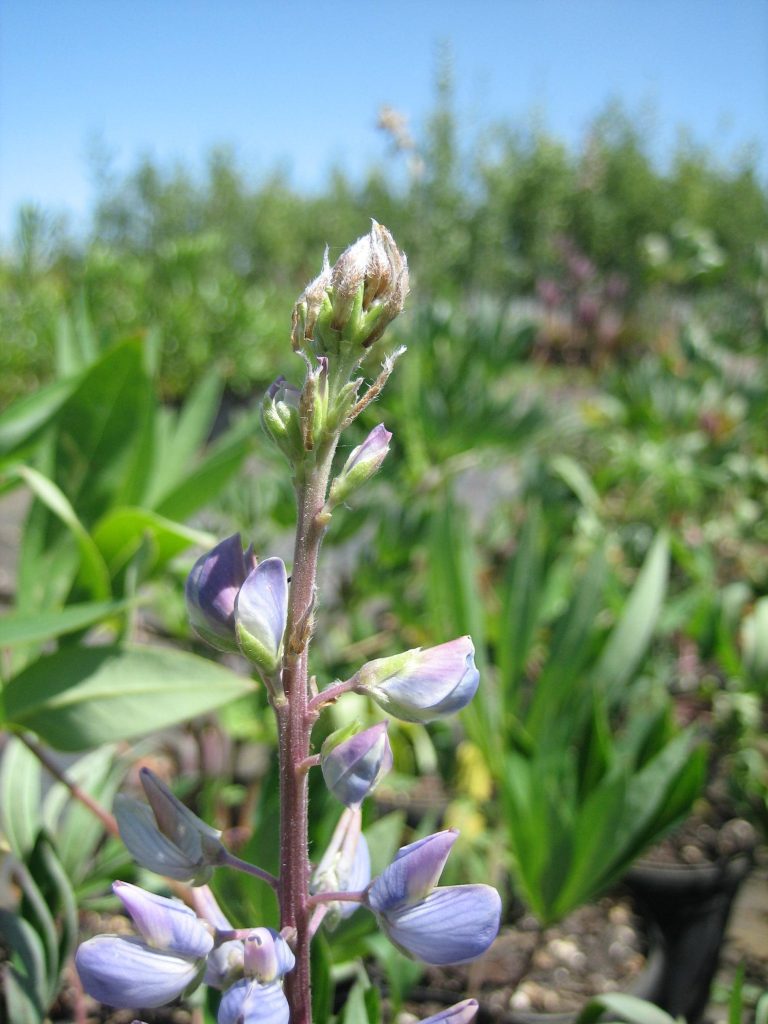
(352, 765)
(361, 465)
(280, 417)
(350, 305)
(211, 590)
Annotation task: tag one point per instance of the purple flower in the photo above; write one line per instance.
(449, 925)
(363, 462)
(267, 955)
(261, 609)
(251, 1002)
(225, 962)
(459, 1013)
(421, 685)
(165, 836)
(211, 590)
(352, 767)
(169, 957)
(413, 873)
(454, 924)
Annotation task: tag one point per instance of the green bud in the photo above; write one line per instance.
(361, 464)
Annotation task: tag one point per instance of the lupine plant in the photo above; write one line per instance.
(238, 603)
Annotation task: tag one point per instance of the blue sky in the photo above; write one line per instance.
(299, 84)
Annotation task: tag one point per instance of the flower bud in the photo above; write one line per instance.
(211, 590)
(353, 765)
(166, 836)
(281, 419)
(345, 866)
(261, 610)
(350, 305)
(267, 955)
(423, 684)
(364, 461)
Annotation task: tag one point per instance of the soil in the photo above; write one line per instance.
(599, 948)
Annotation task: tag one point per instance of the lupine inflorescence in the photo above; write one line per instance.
(238, 603)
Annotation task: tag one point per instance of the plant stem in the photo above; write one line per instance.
(231, 861)
(294, 726)
(107, 819)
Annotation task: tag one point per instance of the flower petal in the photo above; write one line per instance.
(452, 925)
(459, 1013)
(413, 873)
(125, 972)
(352, 768)
(165, 924)
(249, 1002)
(210, 592)
(261, 611)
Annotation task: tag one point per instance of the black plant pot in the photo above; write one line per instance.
(690, 906)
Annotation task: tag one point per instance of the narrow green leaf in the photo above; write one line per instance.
(26, 627)
(189, 433)
(20, 795)
(94, 571)
(22, 421)
(81, 697)
(521, 605)
(24, 981)
(207, 480)
(632, 634)
(630, 1008)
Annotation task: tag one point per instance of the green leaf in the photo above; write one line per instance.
(93, 569)
(186, 436)
(521, 605)
(630, 1008)
(98, 430)
(20, 795)
(24, 980)
(631, 636)
(322, 985)
(56, 890)
(24, 420)
(120, 533)
(201, 484)
(755, 644)
(81, 697)
(27, 627)
(77, 831)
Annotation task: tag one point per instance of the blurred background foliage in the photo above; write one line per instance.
(578, 480)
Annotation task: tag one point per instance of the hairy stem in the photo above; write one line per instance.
(294, 726)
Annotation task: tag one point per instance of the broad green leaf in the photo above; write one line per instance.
(82, 697)
(98, 429)
(28, 627)
(632, 634)
(120, 533)
(20, 793)
(94, 570)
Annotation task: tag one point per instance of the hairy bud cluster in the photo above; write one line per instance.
(347, 307)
